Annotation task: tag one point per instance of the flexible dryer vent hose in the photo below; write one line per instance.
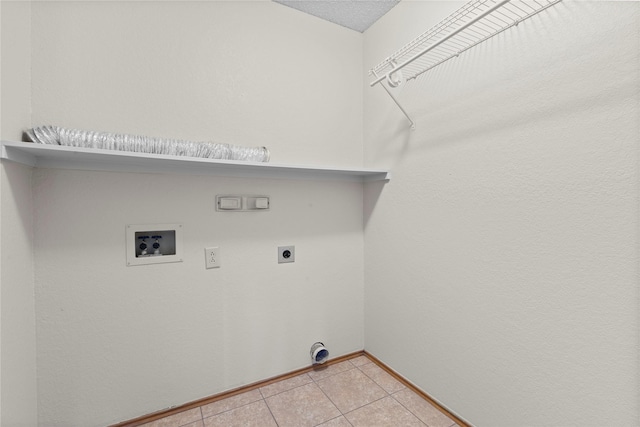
(144, 144)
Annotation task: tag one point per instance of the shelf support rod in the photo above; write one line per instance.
(413, 125)
(419, 54)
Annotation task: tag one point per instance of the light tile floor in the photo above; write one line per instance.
(353, 393)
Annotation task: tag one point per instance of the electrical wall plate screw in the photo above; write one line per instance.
(286, 254)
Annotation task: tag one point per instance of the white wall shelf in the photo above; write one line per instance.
(62, 157)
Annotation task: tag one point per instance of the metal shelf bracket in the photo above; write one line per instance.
(395, 82)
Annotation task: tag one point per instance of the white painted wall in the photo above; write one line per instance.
(116, 342)
(18, 396)
(18, 330)
(246, 72)
(16, 68)
(0, 218)
(501, 261)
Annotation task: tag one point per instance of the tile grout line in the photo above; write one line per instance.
(331, 375)
(363, 357)
(387, 394)
(198, 403)
(366, 404)
(284, 391)
(190, 422)
(391, 395)
(344, 414)
(423, 395)
(380, 385)
(335, 418)
(264, 399)
(314, 382)
(409, 410)
(230, 409)
(327, 396)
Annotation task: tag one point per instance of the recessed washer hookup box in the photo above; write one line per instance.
(153, 243)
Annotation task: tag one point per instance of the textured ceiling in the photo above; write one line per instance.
(355, 14)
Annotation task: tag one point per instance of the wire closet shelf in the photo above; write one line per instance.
(472, 24)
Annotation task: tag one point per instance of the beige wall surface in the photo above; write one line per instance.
(498, 269)
(116, 342)
(246, 72)
(508, 284)
(18, 395)
(18, 330)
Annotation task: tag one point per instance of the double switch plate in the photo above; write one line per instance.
(237, 203)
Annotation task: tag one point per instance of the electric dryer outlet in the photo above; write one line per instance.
(286, 254)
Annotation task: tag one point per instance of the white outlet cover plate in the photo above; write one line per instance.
(212, 257)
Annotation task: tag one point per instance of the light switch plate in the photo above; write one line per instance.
(242, 203)
(229, 203)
